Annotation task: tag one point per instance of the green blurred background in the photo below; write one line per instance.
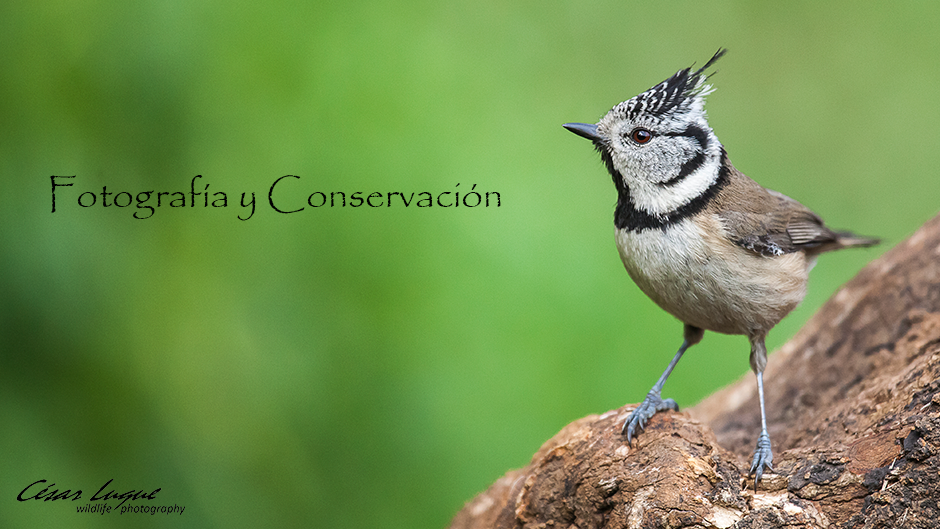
(377, 367)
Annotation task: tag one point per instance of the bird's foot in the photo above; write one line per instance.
(763, 457)
(651, 404)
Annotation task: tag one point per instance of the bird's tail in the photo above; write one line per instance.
(847, 239)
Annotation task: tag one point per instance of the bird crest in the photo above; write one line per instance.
(682, 93)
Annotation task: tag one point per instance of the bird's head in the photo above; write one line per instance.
(654, 143)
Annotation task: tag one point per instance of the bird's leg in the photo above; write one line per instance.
(763, 456)
(654, 402)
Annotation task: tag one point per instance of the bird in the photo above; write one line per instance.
(705, 242)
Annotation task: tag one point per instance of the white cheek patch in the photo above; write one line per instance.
(657, 199)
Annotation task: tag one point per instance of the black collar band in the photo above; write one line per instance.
(628, 217)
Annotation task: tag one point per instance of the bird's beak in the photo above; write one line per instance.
(584, 130)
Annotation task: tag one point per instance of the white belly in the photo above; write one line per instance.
(704, 280)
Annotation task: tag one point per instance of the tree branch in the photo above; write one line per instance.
(854, 404)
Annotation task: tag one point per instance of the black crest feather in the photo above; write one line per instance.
(671, 93)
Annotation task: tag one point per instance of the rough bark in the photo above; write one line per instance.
(854, 412)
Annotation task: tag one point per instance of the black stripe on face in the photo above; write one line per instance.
(701, 137)
(628, 217)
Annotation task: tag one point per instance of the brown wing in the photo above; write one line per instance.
(770, 223)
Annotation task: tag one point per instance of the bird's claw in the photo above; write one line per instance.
(763, 457)
(651, 404)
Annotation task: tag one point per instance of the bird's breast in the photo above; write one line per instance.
(696, 274)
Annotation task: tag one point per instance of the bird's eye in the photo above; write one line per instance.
(641, 135)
